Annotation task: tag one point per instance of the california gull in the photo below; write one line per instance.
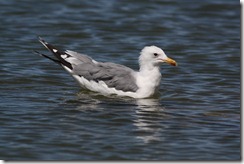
(110, 78)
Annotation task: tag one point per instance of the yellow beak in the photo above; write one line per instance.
(170, 61)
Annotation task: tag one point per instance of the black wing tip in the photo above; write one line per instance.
(44, 43)
(38, 53)
(40, 39)
(46, 56)
(57, 53)
(50, 47)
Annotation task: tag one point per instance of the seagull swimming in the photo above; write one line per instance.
(110, 78)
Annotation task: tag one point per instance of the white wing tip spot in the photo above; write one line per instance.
(64, 56)
(54, 50)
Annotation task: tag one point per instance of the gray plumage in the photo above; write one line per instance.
(113, 75)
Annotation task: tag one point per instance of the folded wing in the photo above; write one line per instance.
(113, 75)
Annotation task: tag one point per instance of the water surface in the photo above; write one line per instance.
(196, 115)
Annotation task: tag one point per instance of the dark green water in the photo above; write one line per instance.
(45, 116)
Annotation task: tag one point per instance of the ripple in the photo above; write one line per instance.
(45, 116)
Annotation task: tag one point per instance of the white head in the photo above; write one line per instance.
(152, 56)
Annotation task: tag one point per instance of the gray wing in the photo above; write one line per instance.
(81, 57)
(65, 58)
(113, 75)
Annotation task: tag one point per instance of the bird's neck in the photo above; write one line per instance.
(148, 79)
(152, 72)
(148, 67)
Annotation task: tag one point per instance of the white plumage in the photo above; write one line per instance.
(111, 78)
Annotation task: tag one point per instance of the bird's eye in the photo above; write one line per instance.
(155, 54)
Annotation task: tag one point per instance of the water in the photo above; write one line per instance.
(46, 116)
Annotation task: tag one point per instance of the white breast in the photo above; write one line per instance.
(148, 82)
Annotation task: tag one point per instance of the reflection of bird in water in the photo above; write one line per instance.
(148, 104)
(148, 120)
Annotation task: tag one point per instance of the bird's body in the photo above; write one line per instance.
(110, 78)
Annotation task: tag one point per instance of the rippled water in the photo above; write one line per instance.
(196, 115)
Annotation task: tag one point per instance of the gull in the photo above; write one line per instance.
(110, 78)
